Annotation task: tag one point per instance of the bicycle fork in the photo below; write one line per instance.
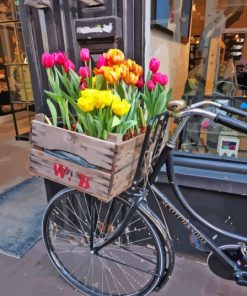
(94, 248)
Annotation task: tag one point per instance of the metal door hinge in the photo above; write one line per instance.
(38, 3)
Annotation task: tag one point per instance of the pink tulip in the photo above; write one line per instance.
(85, 54)
(60, 58)
(101, 62)
(140, 83)
(150, 85)
(160, 78)
(47, 60)
(68, 65)
(84, 72)
(154, 65)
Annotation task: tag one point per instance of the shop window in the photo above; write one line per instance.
(210, 65)
(14, 70)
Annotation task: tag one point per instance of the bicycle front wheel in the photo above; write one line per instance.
(132, 265)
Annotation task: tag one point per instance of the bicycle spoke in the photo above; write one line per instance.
(130, 265)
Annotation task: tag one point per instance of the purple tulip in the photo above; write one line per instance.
(150, 85)
(84, 72)
(154, 65)
(101, 62)
(85, 54)
(47, 60)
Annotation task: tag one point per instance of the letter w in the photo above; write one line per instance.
(60, 170)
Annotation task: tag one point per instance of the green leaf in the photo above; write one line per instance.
(99, 82)
(52, 95)
(99, 128)
(169, 95)
(127, 125)
(160, 104)
(148, 104)
(62, 110)
(79, 128)
(67, 119)
(53, 111)
(115, 122)
(90, 122)
(83, 120)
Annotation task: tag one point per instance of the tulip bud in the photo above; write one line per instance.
(84, 72)
(47, 60)
(101, 62)
(154, 65)
(83, 84)
(85, 54)
(150, 85)
(140, 83)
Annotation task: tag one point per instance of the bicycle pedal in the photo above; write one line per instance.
(241, 277)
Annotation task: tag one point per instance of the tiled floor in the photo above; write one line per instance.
(13, 155)
(34, 275)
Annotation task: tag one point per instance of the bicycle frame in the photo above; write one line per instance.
(136, 195)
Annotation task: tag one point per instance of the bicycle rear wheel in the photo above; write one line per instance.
(132, 265)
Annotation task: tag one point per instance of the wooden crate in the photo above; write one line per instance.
(115, 160)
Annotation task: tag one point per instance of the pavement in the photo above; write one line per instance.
(34, 275)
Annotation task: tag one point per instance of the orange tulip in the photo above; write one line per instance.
(131, 79)
(99, 71)
(112, 74)
(124, 71)
(114, 57)
(138, 70)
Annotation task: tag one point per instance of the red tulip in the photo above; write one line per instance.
(154, 65)
(68, 65)
(140, 83)
(85, 54)
(150, 85)
(60, 58)
(47, 60)
(84, 72)
(160, 78)
(101, 62)
(83, 84)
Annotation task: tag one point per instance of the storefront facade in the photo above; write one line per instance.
(201, 46)
(190, 40)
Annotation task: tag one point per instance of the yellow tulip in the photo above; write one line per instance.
(86, 104)
(120, 107)
(104, 99)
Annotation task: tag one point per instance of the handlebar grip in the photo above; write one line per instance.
(234, 111)
(231, 122)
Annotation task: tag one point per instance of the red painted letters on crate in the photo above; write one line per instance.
(61, 171)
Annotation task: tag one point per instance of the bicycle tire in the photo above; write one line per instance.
(145, 267)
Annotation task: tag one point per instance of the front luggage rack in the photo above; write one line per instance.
(152, 144)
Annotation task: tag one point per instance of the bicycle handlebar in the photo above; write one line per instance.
(231, 122)
(232, 110)
(225, 120)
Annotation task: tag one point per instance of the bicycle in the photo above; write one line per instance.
(122, 247)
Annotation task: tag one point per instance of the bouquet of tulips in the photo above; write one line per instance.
(105, 99)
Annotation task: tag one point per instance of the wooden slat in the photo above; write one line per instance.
(127, 151)
(42, 164)
(95, 151)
